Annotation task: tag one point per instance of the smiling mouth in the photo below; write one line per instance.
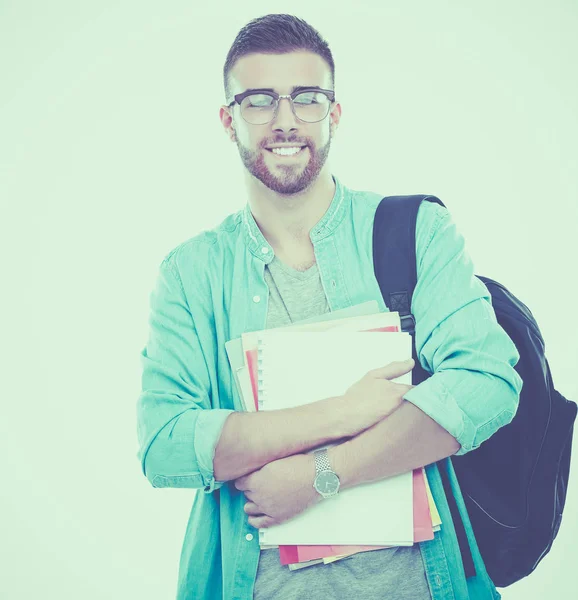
(286, 154)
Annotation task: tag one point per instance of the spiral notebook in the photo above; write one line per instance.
(298, 367)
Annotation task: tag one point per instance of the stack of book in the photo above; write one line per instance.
(320, 358)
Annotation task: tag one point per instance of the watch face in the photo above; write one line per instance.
(326, 482)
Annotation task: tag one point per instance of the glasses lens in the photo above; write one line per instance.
(258, 109)
(310, 107)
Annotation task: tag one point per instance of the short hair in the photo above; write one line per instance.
(276, 34)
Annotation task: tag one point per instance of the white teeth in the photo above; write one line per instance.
(286, 151)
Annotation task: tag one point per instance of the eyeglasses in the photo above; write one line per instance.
(259, 107)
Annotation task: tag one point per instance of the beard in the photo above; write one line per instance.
(285, 179)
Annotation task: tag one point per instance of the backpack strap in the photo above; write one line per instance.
(395, 266)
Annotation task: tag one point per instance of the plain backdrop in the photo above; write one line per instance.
(112, 153)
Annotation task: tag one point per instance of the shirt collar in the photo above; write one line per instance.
(333, 216)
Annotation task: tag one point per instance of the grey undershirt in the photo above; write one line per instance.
(386, 573)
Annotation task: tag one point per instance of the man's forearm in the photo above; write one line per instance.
(406, 440)
(250, 440)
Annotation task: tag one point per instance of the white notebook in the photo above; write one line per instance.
(296, 368)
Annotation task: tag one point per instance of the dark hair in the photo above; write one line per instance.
(276, 34)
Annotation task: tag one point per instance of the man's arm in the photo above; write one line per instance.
(474, 389)
(250, 440)
(406, 440)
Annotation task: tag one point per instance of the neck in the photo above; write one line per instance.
(286, 220)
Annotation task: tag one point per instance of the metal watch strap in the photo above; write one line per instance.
(322, 460)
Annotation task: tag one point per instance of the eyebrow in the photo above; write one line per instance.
(293, 89)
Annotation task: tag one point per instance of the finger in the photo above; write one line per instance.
(394, 369)
(261, 522)
(241, 483)
(402, 387)
(252, 509)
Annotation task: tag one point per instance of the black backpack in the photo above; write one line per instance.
(514, 484)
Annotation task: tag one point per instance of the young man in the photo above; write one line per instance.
(302, 246)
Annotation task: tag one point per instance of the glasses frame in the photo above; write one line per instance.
(238, 98)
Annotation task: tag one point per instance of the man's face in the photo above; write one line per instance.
(281, 72)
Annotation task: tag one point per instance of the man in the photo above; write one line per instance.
(302, 247)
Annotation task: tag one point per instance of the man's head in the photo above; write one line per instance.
(280, 53)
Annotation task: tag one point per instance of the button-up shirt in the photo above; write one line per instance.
(211, 288)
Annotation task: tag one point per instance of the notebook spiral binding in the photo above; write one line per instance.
(260, 382)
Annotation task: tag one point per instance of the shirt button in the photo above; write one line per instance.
(249, 537)
(264, 250)
(256, 298)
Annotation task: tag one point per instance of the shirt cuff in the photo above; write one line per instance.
(436, 401)
(208, 430)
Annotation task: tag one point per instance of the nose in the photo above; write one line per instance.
(285, 119)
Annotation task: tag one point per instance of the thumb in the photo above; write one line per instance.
(394, 369)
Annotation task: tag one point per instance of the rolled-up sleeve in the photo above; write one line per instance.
(177, 427)
(474, 389)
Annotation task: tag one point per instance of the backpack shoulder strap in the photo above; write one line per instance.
(394, 252)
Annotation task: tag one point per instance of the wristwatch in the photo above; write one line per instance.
(326, 480)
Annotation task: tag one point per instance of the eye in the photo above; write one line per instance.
(258, 100)
(305, 98)
(312, 97)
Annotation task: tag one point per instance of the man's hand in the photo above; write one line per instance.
(374, 397)
(279, 490)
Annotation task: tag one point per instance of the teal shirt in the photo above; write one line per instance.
(211, 289)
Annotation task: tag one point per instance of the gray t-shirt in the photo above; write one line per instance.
(386, 573)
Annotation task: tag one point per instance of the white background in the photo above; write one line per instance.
(112, 153)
